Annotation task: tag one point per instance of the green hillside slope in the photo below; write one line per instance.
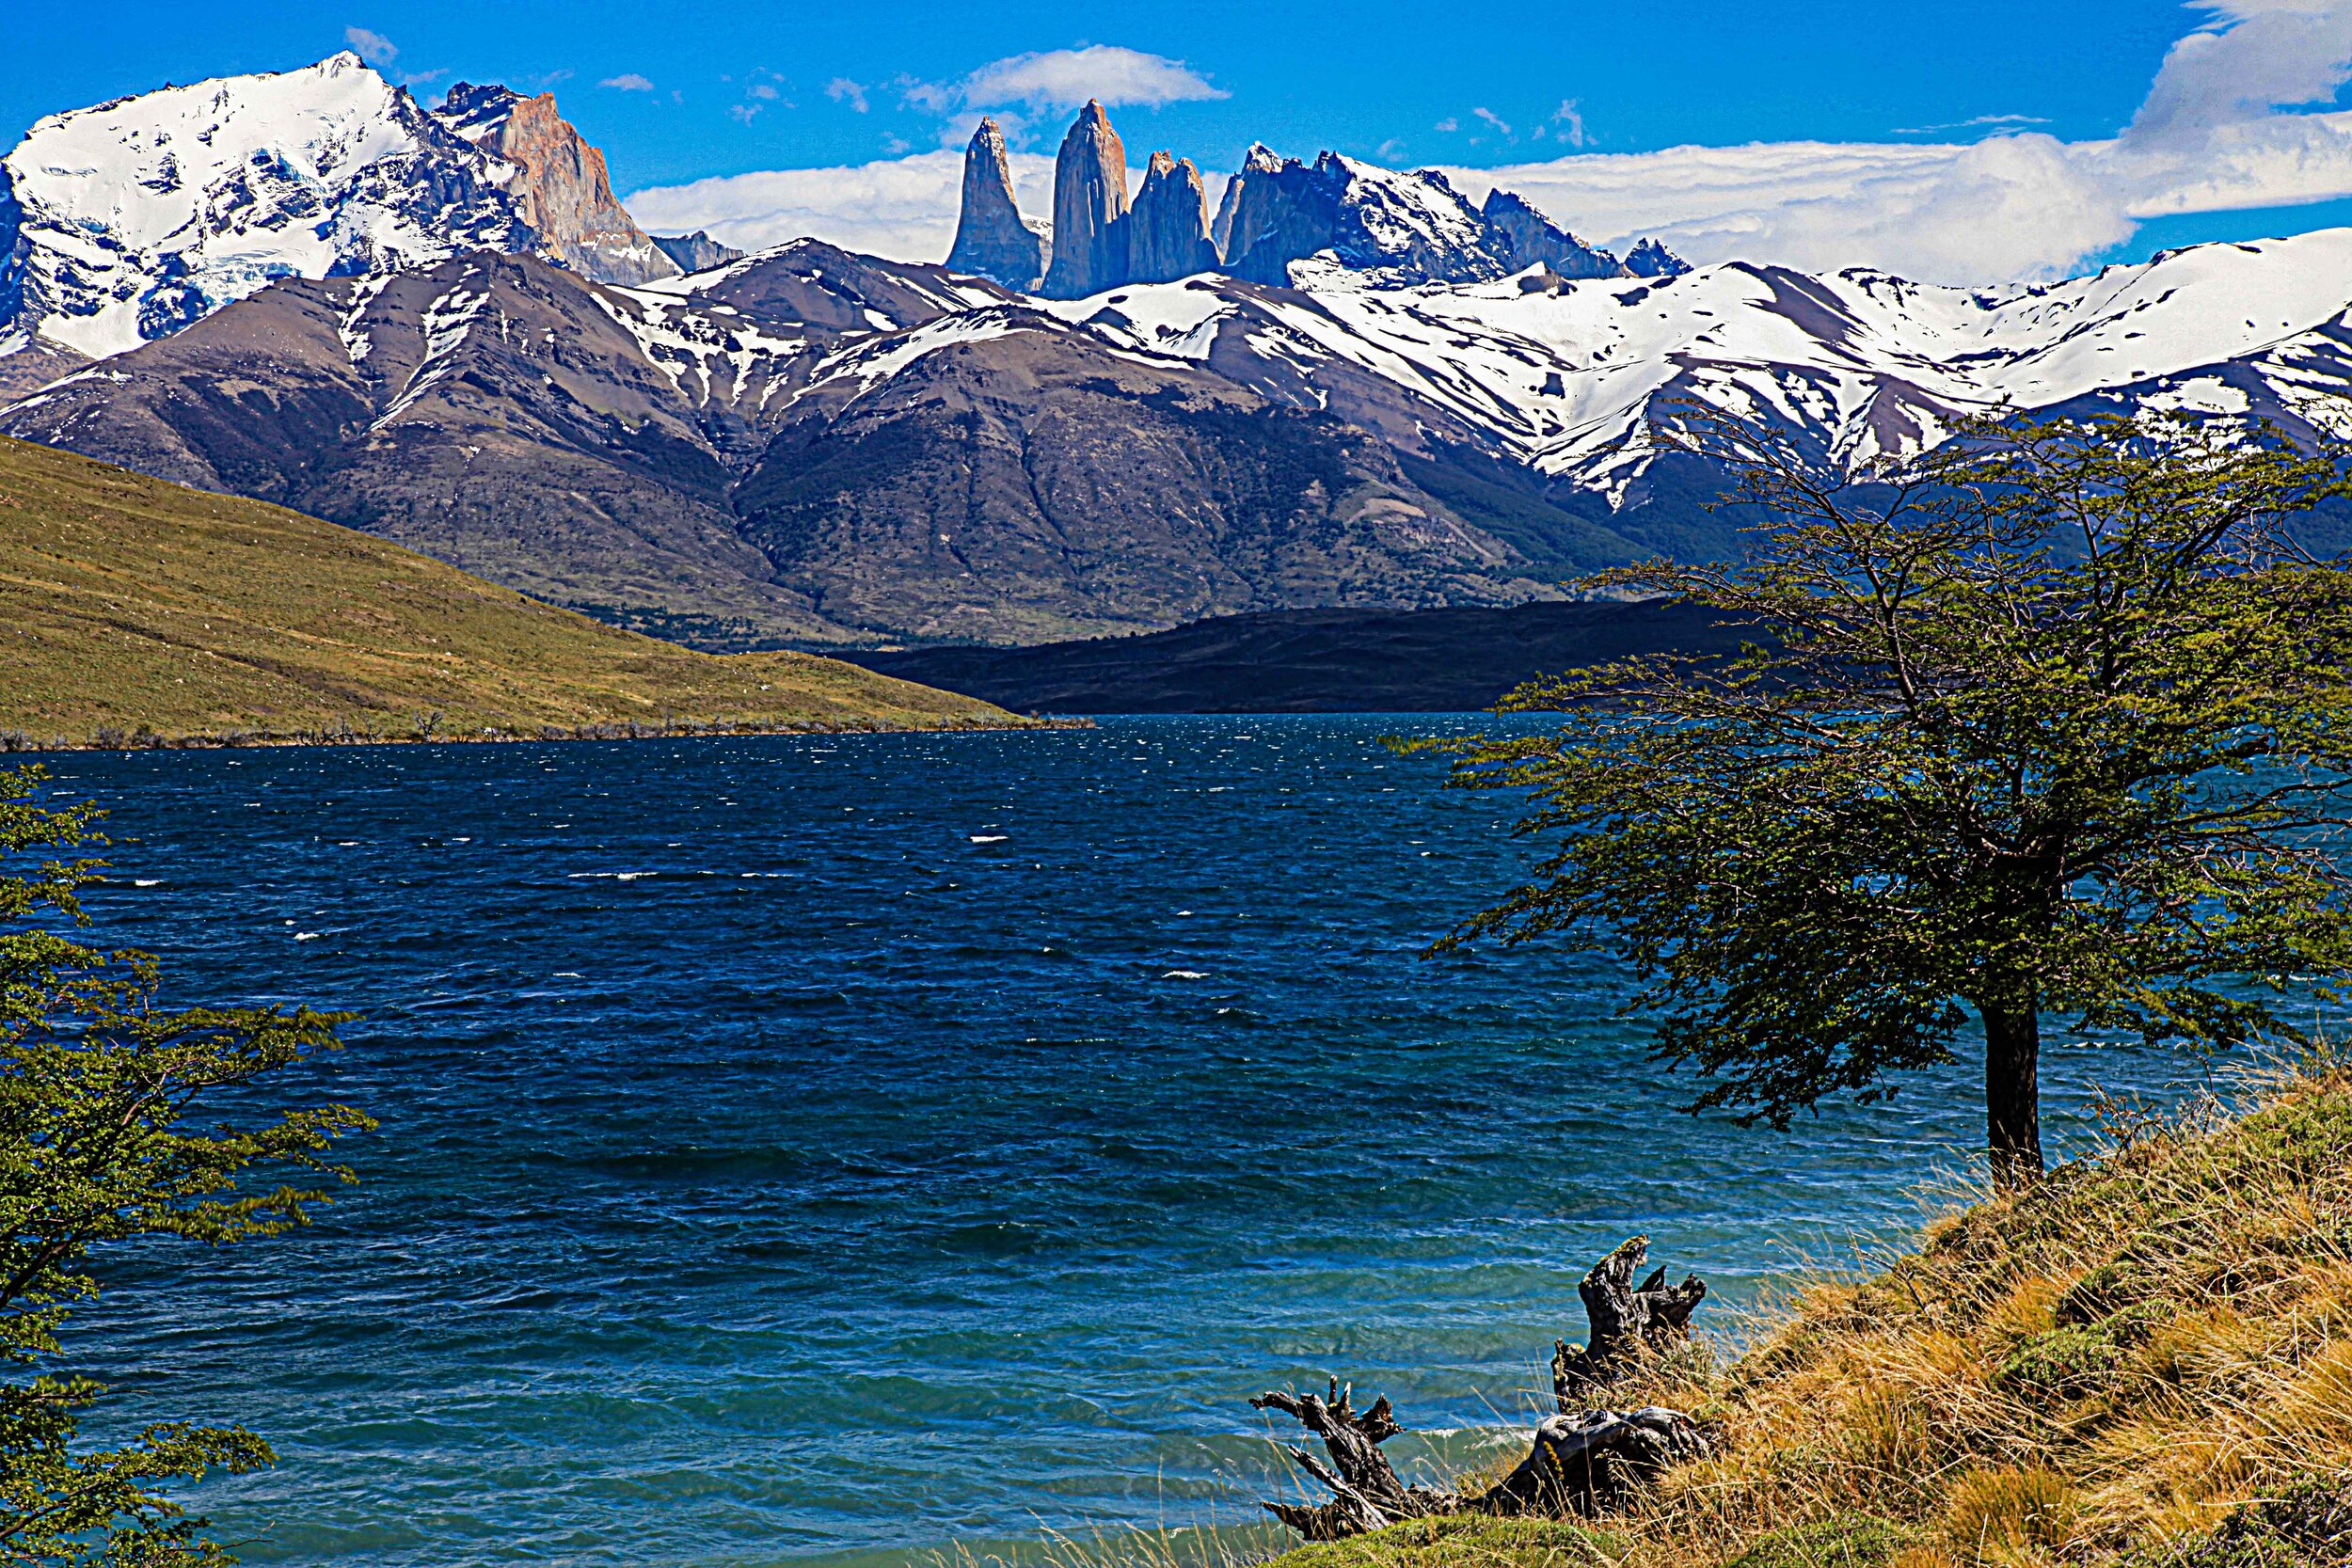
(130, 607)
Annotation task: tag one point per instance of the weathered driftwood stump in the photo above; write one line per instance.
(1366, 1491)
(1583, 1462)
(1626, 1319)
(1590, 1464)
(1579, 1466)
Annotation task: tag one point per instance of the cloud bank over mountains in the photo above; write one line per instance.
(900, 208)
(2237, 117)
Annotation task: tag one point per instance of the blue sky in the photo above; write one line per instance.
(690, 90)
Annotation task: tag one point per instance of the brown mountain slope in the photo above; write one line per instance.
(1023, 478)
(488, 411)
(799, 449)
(129, 604)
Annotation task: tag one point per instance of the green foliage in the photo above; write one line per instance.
(2052, 720)
(98, 1080)
(2308, 1526)
(2065, 1363)
(1848, 1541)
(1456, 1540)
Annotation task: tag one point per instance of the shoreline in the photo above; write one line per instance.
(21, 743)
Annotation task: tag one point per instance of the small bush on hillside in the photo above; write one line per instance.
(1848, 1541)
(2310, 1526)
(2064, 1364)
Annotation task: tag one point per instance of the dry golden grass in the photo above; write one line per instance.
(2097, 1373)
(131, 605)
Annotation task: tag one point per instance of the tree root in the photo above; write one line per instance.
(1626, 1320)
(1583, 1462)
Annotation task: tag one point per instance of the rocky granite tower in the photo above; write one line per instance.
(991, 240)
(564, 190)
(1089, 209)
(1168, 228)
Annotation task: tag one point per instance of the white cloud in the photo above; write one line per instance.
(627, 81)
(2209, 136)
(373, 47)
(1492, 119)
(2253, 56)
(1975, 122)
(842, 90)
(1063, 79)
(1570, 122)
(902, 208)
(2236, 118)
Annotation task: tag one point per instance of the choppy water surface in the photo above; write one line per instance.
(830, 1148)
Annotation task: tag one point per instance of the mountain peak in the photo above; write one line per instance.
(562, 188)
(1089, 201)
(1652, 258)
(477, 111)
(134, 217)
(1526, 237)
(991, 240)
(1167, 227)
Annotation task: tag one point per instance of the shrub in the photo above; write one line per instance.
(2310, 1526)
(1848, 1541)
(2065, 1363)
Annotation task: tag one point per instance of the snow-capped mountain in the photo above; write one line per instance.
(1564, 378)
(1394, 227)
(138, 217)
(123, 223)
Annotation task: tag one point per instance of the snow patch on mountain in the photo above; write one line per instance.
(1865, 366)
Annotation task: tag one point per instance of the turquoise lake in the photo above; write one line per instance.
(828, 1149)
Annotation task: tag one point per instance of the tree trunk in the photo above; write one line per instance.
(2012, 1088)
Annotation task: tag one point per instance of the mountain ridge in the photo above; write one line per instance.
(809, 446)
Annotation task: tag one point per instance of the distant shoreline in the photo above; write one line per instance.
(18, 742)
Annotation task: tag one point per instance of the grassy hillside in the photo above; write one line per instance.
(129, 604)
(2146, 1363)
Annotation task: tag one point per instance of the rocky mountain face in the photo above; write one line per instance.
(696, 252)
(1023, 478)
(561, 186)
(1089, 209)
(1168, 228)
(991, 240)
(1394, 229)
(1651, 258)
(1523, 237)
